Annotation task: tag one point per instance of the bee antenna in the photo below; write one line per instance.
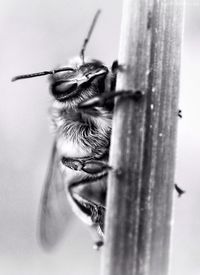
(24, 76)
(86, 40)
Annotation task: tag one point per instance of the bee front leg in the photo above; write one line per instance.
(104, 99)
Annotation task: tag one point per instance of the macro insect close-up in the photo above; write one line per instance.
(63, 93)
(81, 115)
(78, 165)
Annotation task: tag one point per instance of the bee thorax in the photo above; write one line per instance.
(88, 132)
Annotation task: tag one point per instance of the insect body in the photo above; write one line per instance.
(78, 165)
(83, 138)
(81, 114)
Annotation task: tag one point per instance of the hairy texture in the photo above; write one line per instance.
(84, 130)
(82, 140)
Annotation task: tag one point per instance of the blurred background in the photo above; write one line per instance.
(38, 35)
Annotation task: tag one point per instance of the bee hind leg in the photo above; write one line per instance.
(89, 211)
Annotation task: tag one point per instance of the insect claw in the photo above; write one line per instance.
(180, 113)
(179, 190)
(97, 245)
(116, 67)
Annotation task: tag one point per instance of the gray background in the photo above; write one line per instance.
(37, 35)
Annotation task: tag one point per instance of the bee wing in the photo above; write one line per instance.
(55, 212)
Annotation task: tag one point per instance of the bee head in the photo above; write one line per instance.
(86, 78)
(79, 83)
(80, 80)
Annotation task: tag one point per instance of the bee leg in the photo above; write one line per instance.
(104, 99)
(98, 239)
(115, 68)
(91, 166)
(179, 191)
(88, 207)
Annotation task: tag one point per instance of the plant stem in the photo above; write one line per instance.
(143, 142)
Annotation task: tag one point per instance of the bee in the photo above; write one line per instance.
(79, 161)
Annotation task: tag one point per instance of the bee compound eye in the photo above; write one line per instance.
(72, 164)
(62, 90)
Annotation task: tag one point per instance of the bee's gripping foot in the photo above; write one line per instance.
(180, 113)
(116, 67)
(179, 191)
(97, 245)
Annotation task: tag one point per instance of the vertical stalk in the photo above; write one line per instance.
(140, 186)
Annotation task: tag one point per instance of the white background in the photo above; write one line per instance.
(37, 35)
